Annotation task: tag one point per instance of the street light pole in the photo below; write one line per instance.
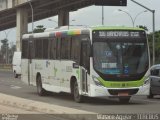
(128, 15)
(29, 61)
(133, 20)
(102, 15)
(153, 36)
(153, 12)
(29, 1)
(138, 15)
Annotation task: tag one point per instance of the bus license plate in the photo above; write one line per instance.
(123, 94)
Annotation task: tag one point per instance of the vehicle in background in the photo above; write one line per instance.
(154, 81)
(16, 64)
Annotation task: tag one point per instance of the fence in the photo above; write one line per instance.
(6, 66)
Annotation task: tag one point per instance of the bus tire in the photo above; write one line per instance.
(15, 74)
(77, 97)
(150, 96)
(124, 100)
(40, 90)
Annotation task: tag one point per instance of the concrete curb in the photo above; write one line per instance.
(44, 108)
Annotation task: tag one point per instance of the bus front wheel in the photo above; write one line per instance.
(15, 74)
(76, 95)
(40, 90)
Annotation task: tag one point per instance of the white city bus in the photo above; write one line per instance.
(87, 61)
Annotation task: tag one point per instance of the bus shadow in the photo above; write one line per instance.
(111, 101)
(93, 100)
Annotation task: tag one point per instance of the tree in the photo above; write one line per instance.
(4, 50)
(157, 45)
(39, 28)
(11, 51)
(143, 27)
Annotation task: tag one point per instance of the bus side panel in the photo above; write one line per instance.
(39, 68)
(53, 82)
(64, 71)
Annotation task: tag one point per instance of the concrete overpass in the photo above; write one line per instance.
(17, 13)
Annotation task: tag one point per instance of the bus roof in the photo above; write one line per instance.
(73, 30)
(115, 28)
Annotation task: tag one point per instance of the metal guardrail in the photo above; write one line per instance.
(6, 66)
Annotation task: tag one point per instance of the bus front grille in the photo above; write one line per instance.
(129, 91)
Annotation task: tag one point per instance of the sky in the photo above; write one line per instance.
(92, 16)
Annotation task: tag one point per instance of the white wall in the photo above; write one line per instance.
(10, 3)
(3, 4)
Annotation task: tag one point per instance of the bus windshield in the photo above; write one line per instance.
(120, 58)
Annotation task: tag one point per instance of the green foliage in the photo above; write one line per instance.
(6, 52)
(157, 45)
(39, 28)
(4, 48)
(143, 27)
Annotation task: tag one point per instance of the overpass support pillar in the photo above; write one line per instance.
(22, 26)
(63, 18)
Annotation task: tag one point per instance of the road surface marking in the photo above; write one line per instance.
(15, 87)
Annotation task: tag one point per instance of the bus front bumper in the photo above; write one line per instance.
(100, 91)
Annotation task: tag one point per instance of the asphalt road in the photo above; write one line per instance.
(11, 86)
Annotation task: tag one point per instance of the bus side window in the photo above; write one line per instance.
(75, 49)
(85, 54)
(45, 48)
(65, 48)
(52, 48)
(30, 49)
(24, 48)
(38, 49)
(58, 48)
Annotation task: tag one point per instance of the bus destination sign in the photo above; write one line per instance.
(115, 34)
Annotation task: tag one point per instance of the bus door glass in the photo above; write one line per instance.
(30, 57)
(85, 64)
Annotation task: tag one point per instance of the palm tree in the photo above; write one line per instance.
(39, 28)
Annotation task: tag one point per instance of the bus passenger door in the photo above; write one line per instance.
(85, 65)
(30, 66)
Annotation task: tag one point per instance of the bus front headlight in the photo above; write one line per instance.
(96, 81)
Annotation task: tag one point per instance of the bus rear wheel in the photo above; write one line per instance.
(40, 90)
(124, 100)
(77, 97)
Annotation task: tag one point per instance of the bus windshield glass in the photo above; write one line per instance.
(121, 57)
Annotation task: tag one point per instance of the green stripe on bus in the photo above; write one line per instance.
(116, 28)
(125, 84)
(78, 73)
